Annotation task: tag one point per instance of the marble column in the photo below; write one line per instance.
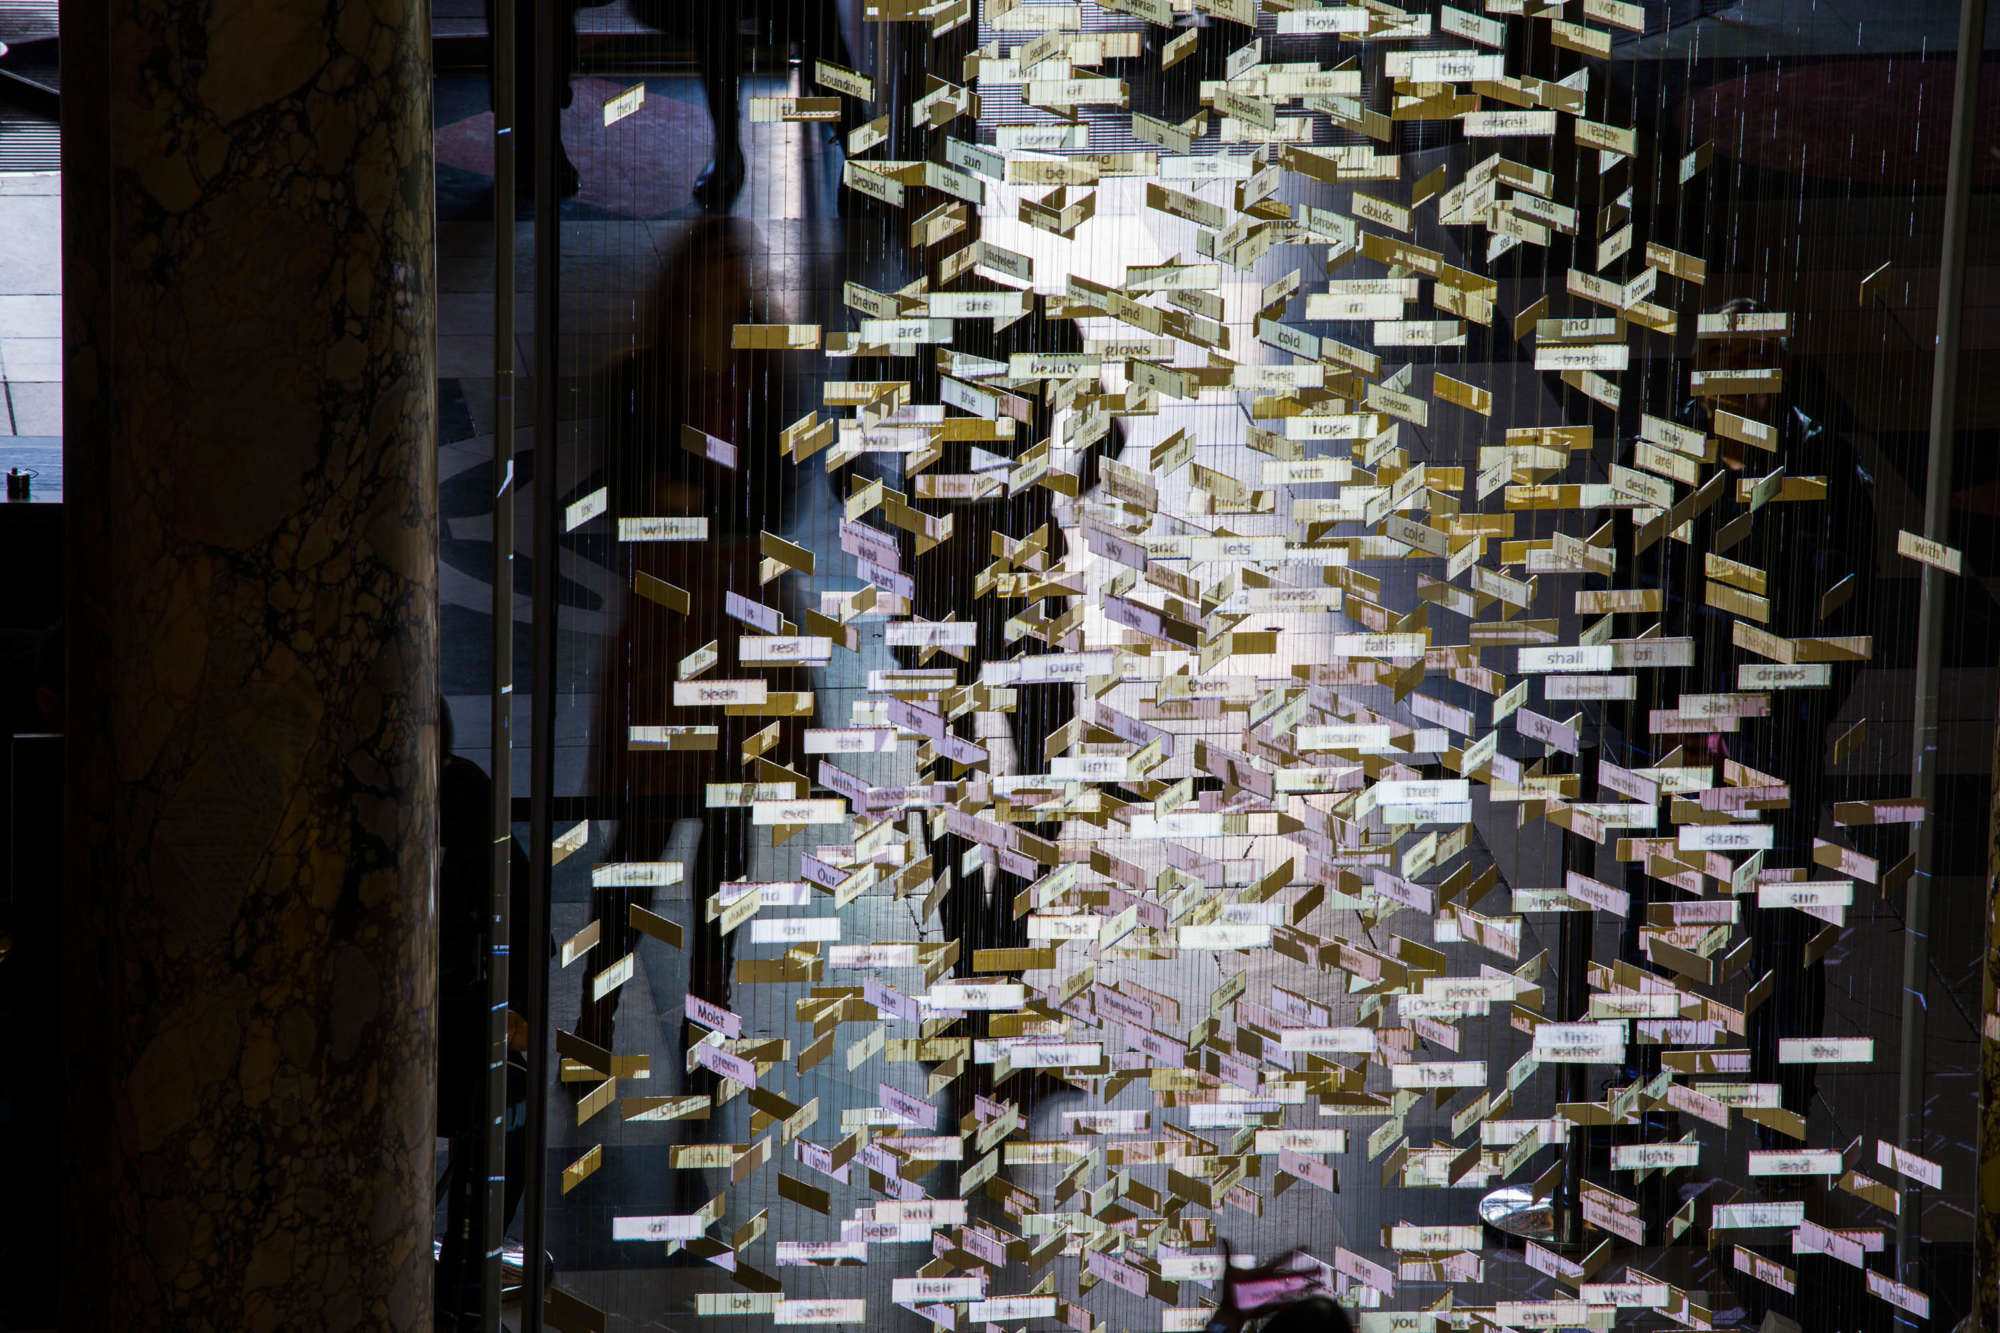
(249, 942)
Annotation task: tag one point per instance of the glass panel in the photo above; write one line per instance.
(484, 248)
(1253, 626)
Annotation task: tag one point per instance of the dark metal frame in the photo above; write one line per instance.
(1930, 621)
(542, 592)
(490, 1227)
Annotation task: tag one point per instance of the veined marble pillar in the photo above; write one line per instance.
(249, 941)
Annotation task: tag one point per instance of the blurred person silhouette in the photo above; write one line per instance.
(1309, 1314)
(1820, 579)
(526, 131)
(947, 582)
(1286, 1293)
(465, 908)
(716, 28)
(963, 578)
(688, 432)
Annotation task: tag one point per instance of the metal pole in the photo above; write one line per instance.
(490, 1230)
(542, 592)
(1573, 964)
(1930, 615)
